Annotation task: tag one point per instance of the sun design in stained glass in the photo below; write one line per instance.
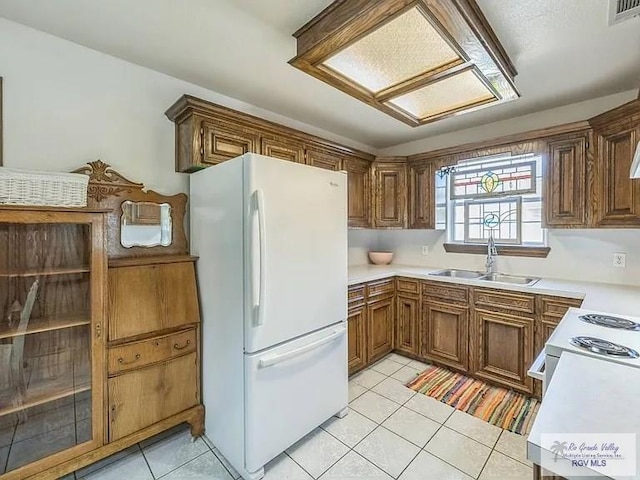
(491, 220)
(489, 181)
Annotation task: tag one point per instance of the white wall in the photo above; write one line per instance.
(557, 116)
(65, 105)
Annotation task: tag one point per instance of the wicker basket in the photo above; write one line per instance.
(27, 187)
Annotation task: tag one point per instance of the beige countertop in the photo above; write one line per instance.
(605, 297)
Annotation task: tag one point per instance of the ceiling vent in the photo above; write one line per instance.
(620, 10)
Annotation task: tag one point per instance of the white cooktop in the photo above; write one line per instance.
(571, 326)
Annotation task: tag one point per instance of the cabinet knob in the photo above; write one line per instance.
(98, 330)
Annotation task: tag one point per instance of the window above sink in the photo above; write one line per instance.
(499, 196)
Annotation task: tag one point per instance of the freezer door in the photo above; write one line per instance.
(296, 250)
(291, 390)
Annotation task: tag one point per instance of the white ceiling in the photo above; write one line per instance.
(564, 52)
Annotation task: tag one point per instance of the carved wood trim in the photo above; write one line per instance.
(109, 189)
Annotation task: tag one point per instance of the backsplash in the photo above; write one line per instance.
(585, 255)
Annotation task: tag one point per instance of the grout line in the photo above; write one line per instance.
(177, 468)
(144, 457)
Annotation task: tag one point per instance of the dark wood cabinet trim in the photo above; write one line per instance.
(503, 250)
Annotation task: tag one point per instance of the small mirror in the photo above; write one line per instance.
(145, 224)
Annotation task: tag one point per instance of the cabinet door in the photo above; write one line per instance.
(380, 320)
(323, 159)
(446, 331)
(134, 291)
(282, 148)
(390, 196)
(421, 196)
(566, 183)
(407, 324)
(357, 349)
(225, 140)
(146, 396)
(52, 293)
(505, 349)
(359, 192)
(552, 309)
(617, 195)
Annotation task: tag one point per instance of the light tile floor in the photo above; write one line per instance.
(390, 433)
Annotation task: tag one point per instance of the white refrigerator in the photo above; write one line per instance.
(272, 240)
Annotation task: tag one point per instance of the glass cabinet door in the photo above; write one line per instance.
(46, 399)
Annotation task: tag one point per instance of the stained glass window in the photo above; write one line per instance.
(500, 218)
(498, 196)
(494, 178)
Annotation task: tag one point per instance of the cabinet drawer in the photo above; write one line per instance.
(146, 396)
(139, 354)
(557, 306)
(442, 291)
(408, 285)
(491, 299)
(380, 288)
(356, 295)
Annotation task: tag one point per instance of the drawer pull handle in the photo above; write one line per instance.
(135, 359)
(178, 347)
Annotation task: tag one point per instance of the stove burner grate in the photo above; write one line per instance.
(604, 347)
(610, 322)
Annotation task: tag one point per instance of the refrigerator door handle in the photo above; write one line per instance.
(274, 359)
(259, 297)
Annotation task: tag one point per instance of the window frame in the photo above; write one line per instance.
(519, 249)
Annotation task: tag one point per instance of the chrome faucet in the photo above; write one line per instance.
(492, 253)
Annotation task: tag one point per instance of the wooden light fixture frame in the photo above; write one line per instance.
(460, 23)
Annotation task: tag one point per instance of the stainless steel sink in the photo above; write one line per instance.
(502, 278)
(453, 273)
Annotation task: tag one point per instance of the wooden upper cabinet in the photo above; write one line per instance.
(565, 180)
(225, 140)
(323, 158)
(421, 192)
(616, 196)
(282, 148)
(207, 134)
(390, 194)
(359, 191)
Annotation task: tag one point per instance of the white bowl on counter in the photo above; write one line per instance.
(381, 258)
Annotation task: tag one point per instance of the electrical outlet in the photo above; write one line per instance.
(619, 260)
(425, 250)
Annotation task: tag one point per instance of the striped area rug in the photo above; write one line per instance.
(499, 406)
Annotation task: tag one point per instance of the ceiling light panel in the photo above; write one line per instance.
(449, 94)
(401, 49)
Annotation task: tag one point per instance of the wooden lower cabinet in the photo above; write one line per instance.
(140, 398)
(380, 328)
(357, 340)
(408, 324)
(504, 349)
(446, 334)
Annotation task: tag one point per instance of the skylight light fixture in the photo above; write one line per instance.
(418, 62)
